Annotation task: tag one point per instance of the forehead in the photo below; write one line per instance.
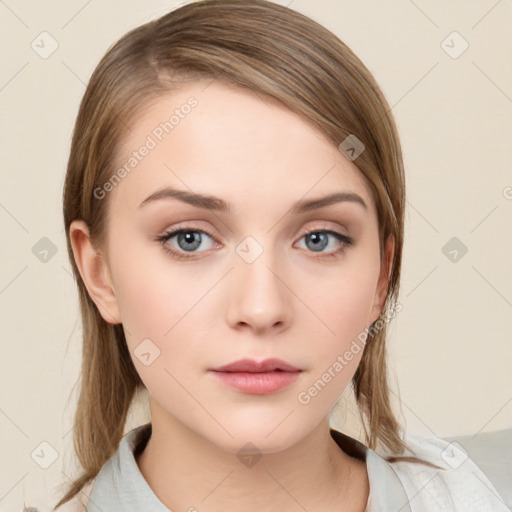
(212, 138)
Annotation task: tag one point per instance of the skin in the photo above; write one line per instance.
(292, 302)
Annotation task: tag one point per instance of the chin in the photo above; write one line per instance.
(260, 439)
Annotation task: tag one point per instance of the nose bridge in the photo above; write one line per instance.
(260, 297)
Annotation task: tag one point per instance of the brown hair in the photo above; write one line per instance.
(283, 56)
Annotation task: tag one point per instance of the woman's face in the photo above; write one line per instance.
(244, 280)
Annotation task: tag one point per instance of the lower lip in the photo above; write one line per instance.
(258, 383)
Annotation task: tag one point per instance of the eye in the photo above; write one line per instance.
(188, 239)
(318, 239)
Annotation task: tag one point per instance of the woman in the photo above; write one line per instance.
(234, 207)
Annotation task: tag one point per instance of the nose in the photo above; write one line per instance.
(259, 297)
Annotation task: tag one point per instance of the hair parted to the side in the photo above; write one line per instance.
(283, 56)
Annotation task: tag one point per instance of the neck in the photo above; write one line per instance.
(187, 472)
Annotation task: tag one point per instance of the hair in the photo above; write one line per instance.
(284, 57)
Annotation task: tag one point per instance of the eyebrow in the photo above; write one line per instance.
(213, 203)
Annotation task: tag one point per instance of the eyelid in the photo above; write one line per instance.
(187, 226)
(323, 227)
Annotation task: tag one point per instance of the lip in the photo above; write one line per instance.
(253, 366)
(257, 378)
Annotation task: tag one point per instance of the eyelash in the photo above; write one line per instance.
(163, 239)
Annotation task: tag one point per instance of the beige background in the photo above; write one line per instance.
(450, 347)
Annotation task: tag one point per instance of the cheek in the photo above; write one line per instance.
(152, 292)
(339, 341)
(342, 314)
(159, 328)
(345, 299)
(162, 310)
(351, 302)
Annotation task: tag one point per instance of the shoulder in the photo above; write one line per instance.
(457, 484)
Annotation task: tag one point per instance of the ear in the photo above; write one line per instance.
(94, 271)
(383, 282)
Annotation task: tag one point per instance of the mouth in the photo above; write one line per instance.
(257, 378)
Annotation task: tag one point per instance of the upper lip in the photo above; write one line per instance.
(253, 366)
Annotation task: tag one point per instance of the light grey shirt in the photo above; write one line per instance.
(460, 486)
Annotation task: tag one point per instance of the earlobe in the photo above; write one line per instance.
(94, 271)
(383, 282)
